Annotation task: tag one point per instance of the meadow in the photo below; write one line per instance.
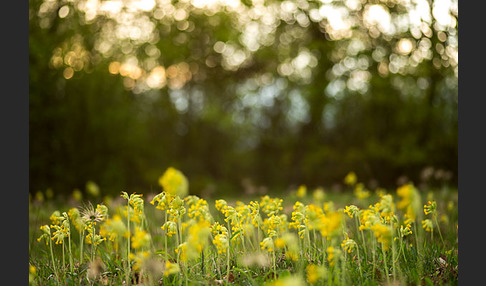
(402, 236)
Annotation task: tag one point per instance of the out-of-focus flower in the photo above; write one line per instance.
(92, 189)
(315, 272)
(350, 179)
(301, 191)
(174, 182)
(171, 268)
(428, 225)
(430, 208)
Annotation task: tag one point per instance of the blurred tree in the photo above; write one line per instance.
(282, 92)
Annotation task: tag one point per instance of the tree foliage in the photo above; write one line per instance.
(281, 92)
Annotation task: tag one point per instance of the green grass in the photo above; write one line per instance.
(419, 258)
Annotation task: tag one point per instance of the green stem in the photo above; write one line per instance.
(227, 264)
(70, 252)
(374, 254)
(127, 270)
(63, 260)
(165, 236)
(438, 228)
(274, 265)
(386, 265)
(53, 263)
(92, 241)
(358, 224)
(393, 254)
(81, 246)
(359, 265)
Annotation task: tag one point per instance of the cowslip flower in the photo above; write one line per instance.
(331, 224)
(428, 225)
(267, 244)
(318, 195)
(314, 273)
(301, 191)
(170, 228)
(92, 188)
(313, 215)
(163, 200)
(405, 230)
(288, 280)
(383, 234)
(197, 236)
(77, 195)
(76, 219)
(360, 192)
(430, 208)
(62, 230)
(333, 254)
(348, 244)
(410, 201)
(350, 179)
(56, 217)
(174, 182)
(139, 259)
(290, 242)
(271, 206)
(171, 268)
(351, 210)
(141, 239)
(220, 237)
(46, 233)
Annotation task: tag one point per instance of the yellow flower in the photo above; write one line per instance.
(92, 188)
(220, 239)
(55, 217)
(313, 215)
(171, 268)
(62, 230)
(430, 208)
(141, 239)
(279, 243)
(49, 193)
(351, 210)
(182, 251)
(289, 280)
(197, 239)
(301, 191)
(271, 206)
(312, 275)
(360, 192)
(383, 234)
(198, 208)
(163, 200)
(405, 230)
(77, 195)
(174, 182)
(170, 228)
(428, 225)
(331, 253)
(350, 179)
(348, 244)
(139, 258)
(46, 235)
(318, 195)
(32, 273)
(267, 244)
(331, 224)
(39, 196)
(410, 202)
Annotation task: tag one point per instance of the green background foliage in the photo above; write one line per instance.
(280, 98)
